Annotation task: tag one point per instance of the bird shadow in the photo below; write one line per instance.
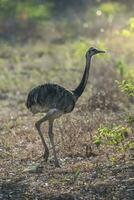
(14, 189)
(20, 189)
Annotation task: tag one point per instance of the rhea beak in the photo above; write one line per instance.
(99, 51)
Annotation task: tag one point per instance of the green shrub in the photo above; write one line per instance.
(110, 136)
(24, 10)
(127, 86)
(129, 30)
(111, 8)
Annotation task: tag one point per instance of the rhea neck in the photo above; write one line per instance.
(80, 88)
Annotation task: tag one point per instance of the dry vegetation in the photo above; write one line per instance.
(95, 142)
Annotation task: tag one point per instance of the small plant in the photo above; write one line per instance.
(130, 145)
(113, 138)
(76, 174)
(120, 66)
(127, 86)
(110, 136)
(97, 140)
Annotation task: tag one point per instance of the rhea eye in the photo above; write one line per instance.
(93, 49)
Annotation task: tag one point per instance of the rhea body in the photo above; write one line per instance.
(55, 100)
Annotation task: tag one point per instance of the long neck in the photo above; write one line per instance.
(80, 88)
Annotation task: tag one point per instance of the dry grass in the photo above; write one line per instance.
(87, 171)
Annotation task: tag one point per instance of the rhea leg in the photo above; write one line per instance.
(38, 125)
(51, 136)
(50, 116)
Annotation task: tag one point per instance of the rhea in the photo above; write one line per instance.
(55, 100)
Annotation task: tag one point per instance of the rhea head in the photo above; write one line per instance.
(92, 51)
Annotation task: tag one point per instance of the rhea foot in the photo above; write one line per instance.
(46, 155)
(56, 163)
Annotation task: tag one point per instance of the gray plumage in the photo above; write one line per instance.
(49, 96)
(55, 100)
